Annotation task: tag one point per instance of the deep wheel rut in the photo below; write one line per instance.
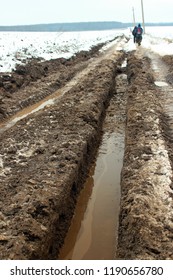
(100, 145)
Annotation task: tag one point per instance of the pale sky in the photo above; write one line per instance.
(19, 12)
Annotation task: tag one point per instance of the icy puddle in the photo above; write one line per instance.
(92, 234)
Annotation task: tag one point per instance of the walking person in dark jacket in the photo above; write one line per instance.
(138, 36)
(134, 33)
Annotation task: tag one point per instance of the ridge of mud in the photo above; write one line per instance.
(145, 224)
(43, 163)
(37, 79)
(168, 59)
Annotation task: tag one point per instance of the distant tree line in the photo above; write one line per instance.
(74, 26)
(63, 27)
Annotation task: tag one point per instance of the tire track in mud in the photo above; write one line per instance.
(43, 163)
(93, 230)
(56, 95)
(146, 215)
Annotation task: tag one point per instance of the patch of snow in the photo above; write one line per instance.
(18, 47)
(161, 84)
(1, 162)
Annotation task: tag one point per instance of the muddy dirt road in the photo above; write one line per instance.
(47, 149)
(145, 230)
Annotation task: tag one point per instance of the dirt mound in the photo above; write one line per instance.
(145, 230)
(168, 59)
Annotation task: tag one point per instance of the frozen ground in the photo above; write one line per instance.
(16, 47)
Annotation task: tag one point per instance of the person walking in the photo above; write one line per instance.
(134, 31)
(138, 36)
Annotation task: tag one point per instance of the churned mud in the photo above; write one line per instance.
(44, 160)
(47, 150)
(94, 228)
(30, 83)
(146, 217)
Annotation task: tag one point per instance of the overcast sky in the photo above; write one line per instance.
(18, 12)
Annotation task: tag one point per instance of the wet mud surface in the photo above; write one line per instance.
(93, 231)
(44, 160)
(146, 221)
(45, 157)
(37, 79)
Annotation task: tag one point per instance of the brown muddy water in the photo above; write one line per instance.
(94, 227)
(92, 234)
(47, 101)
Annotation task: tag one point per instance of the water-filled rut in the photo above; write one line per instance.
(94, 228)
(44, 161)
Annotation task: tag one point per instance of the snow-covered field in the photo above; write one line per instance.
(18, 46)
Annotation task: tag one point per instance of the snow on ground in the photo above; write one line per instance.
(16, 47)
(157, 39)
